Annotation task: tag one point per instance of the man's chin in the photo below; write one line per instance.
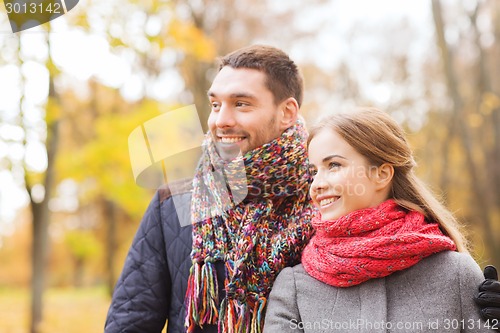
(228, 153)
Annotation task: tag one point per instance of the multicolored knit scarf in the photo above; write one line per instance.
(371, 243)
(255, 238)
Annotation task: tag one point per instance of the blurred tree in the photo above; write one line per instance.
(105, 155)
(83, 246)
(452, 113)
(473, 115)
(231, 25)
(176, 36)
(95, 155)
(38, 185)
(153, 38)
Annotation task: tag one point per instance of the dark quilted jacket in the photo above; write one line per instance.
(153, 282)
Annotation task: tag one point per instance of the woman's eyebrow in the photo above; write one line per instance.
(326, 159)
(329, 157)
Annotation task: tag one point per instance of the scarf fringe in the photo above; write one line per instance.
(202, 308)
(202, 296)
(237, 317)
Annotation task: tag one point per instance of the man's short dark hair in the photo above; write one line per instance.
(283, 77)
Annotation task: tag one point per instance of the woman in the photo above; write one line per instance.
(386, 256)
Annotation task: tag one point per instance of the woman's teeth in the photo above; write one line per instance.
(325, 202)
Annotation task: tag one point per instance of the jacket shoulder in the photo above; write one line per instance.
(175, 187)
(445, 267)
(451, 259)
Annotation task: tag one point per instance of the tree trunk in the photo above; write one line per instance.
(495, 116)
(41, 218)
(41, 214)
(459, 116)
(79, 272)
(110, 222)
(445, 153)
(39, 258)
(484, 91)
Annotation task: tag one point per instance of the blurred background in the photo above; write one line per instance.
(72, 90)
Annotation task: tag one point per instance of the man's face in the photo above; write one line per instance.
(243, 113)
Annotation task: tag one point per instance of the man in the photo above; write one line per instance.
(215, 274)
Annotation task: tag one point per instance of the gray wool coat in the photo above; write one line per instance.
(435, 295)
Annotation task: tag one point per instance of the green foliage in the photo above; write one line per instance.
(102, 165)
(83, 245)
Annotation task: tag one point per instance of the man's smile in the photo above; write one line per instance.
(230, 139)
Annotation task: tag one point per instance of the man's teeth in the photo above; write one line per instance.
(230, 140)
(325, 202)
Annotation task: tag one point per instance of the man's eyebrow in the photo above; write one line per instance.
(243, 95)
(235, 95)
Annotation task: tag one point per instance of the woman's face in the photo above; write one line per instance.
(343, 179)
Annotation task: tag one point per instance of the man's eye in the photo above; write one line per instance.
(215, 105)
(240, 104)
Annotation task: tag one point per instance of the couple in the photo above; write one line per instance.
(374, 244)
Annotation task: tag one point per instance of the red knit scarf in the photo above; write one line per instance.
(371, 243)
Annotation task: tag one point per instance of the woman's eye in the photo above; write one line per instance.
(313, 171)
(333, 165)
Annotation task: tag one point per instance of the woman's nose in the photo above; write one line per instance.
(319, 183)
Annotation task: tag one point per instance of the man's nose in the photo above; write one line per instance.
(225, 117)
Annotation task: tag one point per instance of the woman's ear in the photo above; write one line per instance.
(289, 113)
(383, 178)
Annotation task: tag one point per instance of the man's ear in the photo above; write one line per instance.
(383, 176)
(289, 109)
